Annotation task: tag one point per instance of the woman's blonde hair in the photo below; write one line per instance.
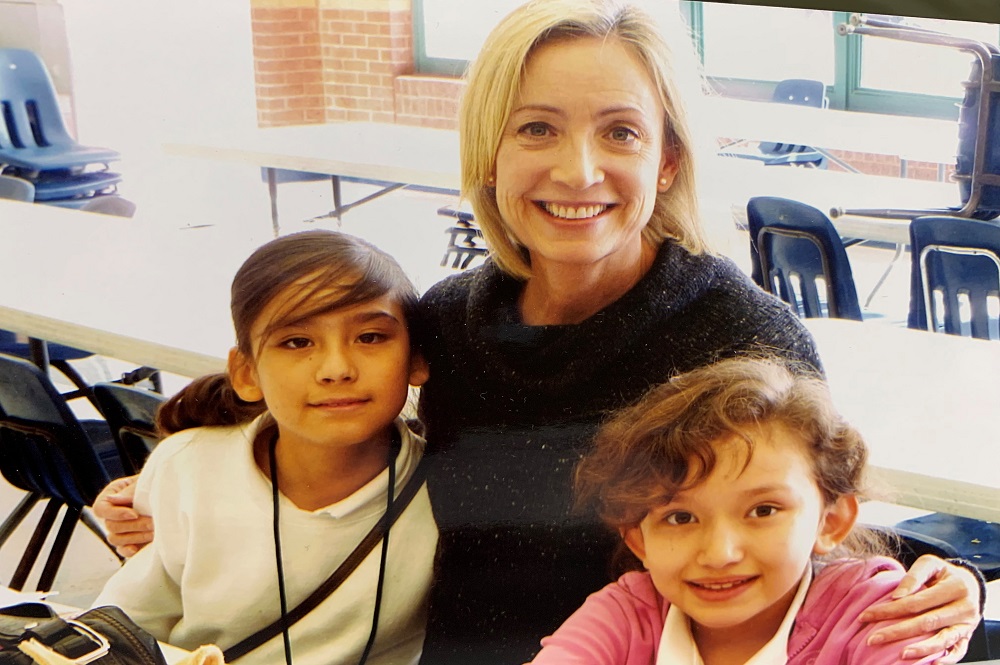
(493, 82)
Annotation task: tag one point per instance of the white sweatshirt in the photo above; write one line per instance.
(209, 577)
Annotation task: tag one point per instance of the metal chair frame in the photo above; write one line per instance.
(950, 317)
(979, 176)
(49, 454)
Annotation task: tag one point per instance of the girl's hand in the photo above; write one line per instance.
(127, 530)
(933, 596)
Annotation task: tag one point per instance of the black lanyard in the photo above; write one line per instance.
(272, 458)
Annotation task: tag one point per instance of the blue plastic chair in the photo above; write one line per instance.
(954, 259)
(48, 453)
(16, 189)
(803, 92)
(34, 142)
(792, 247)
(131, 415)
(955, 266)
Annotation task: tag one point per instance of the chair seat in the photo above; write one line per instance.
(81, 185)
(973, 540)
(807, 156)
(12, 346)
(54, 157)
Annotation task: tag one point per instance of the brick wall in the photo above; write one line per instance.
(287, 65)
(343, 60)
(366, 45)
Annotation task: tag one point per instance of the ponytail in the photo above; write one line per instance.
(209, 400)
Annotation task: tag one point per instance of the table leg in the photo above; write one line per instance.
(39, 353)
(337, 205)
(881, 280)
(272, 192)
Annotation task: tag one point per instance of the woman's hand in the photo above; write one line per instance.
(933, 596)
(127, 530)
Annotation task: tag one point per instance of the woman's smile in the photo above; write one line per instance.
(570, 211)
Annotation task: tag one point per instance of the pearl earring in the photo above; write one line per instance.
(663, 182)
(490, 181)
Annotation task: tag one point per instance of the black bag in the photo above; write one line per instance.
(104, 635)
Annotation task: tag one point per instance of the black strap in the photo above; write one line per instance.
(342, 572)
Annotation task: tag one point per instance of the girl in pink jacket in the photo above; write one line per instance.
(736, 486)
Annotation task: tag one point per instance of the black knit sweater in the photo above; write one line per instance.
(509, 408)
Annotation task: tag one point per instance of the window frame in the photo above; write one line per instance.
(846, 92)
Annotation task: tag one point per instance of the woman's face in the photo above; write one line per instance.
(582, 157)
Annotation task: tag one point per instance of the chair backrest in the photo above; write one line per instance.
(795, 249)
(955, 276)
(978, 125)
(16, 189)
(31, 116)
(131, 415)
(43, 447)
(802, 92)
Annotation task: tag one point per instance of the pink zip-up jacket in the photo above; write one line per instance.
(621, 624)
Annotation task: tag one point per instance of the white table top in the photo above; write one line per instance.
(923, 139)
(376, 151)
(430, 157)
(117, 287)
(729, 183)
(926, 404)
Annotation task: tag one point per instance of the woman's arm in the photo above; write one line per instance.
(127, 530)
(934, 595)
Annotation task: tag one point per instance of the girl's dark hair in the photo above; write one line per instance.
(645, 454)
(313, 272)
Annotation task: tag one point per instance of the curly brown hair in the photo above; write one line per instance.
(666, 442)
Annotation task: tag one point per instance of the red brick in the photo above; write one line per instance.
(300, 52)
(373, 29)
(267, 104)
(315, 116)
(340, 27)
(350, 14)
(304, 103)
(283, 39)
(270, 78)
(355, 66)
(298, 26)
(359, 116)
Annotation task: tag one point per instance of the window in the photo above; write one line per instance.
(747, 48)
(767, 43)
(743, 47)
(449, 33)
(928, 69)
